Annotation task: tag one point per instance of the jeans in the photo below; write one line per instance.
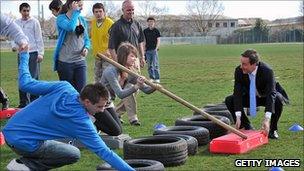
(108, 122)
(74, 73)
(34, 67)
(153, 65)
(51, 154)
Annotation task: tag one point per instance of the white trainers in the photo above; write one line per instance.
(14, 165)
(157, 81)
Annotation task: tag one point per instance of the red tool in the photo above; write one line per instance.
(7, 113)
(233, 144)
(2, 141)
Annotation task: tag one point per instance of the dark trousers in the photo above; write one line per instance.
(34, 67)
(74, 73)
(260, 102)
(108, 122)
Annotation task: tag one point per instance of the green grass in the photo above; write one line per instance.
(201, 75)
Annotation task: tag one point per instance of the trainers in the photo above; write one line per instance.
(135, 123)
(16, 164)
(157, 81)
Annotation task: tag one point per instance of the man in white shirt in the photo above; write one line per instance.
(31, 28)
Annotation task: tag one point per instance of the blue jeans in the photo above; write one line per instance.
(74, 73)
(153, 65)
(51, 154)
(34, 67)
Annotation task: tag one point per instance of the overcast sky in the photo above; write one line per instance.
(235, 9)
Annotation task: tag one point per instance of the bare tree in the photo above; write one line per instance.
(112, 10)
(301, 8)
(201, 13)
(149, 8)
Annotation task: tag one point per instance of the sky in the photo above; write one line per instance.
(270, 10)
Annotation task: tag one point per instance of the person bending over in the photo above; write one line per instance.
(59, 112)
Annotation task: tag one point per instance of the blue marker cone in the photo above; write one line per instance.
(296, 128)
(276, 169)
(159, 126)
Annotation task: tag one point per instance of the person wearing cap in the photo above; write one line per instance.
(255, 85)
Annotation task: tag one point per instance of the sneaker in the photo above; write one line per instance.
(121, 121)
(135, 123)
(157, 81)
(16, 164)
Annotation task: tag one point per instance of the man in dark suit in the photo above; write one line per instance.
(262, 92)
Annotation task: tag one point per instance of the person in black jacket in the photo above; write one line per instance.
(266, 92)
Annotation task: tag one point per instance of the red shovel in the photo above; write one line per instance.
(240, 136)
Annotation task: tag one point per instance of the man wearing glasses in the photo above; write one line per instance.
(31, 28)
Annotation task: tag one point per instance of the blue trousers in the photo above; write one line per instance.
(51, 154)
(74, 73)
(153, 64)
(34, 67)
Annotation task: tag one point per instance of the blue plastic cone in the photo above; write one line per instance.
(296, 128)
(276, 169)
(159, 126)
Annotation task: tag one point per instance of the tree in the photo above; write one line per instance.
(260, 31)
(149, 8)
(112, 10)
(203, 12)
(301, 8)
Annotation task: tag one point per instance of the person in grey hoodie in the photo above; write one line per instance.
(118, 82)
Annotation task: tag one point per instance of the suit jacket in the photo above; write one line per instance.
(265, 86)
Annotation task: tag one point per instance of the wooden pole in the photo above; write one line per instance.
(175, 97)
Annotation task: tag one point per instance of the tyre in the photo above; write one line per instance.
(137, 164)
(224, 113)
(199, 120)
(171, 151)
(192, 144)
(201, 134)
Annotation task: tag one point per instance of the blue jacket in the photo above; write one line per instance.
(64, 25)
(56, 114)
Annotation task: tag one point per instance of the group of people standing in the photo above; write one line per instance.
(70, 108)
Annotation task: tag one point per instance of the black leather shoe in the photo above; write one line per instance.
(135, 123)
(273, 134)
(5, 105)
(249, 127)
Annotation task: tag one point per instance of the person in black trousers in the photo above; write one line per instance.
(268, 93)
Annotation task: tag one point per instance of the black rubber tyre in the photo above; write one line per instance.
(171, 151)
(199, 120)
(201, 134)
(192, 143)
(224, 113)
(137, 164)
(219, 105)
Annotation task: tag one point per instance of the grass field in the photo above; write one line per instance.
(200, 75)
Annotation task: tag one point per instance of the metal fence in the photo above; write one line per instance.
(49, 43)
(189, 40)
